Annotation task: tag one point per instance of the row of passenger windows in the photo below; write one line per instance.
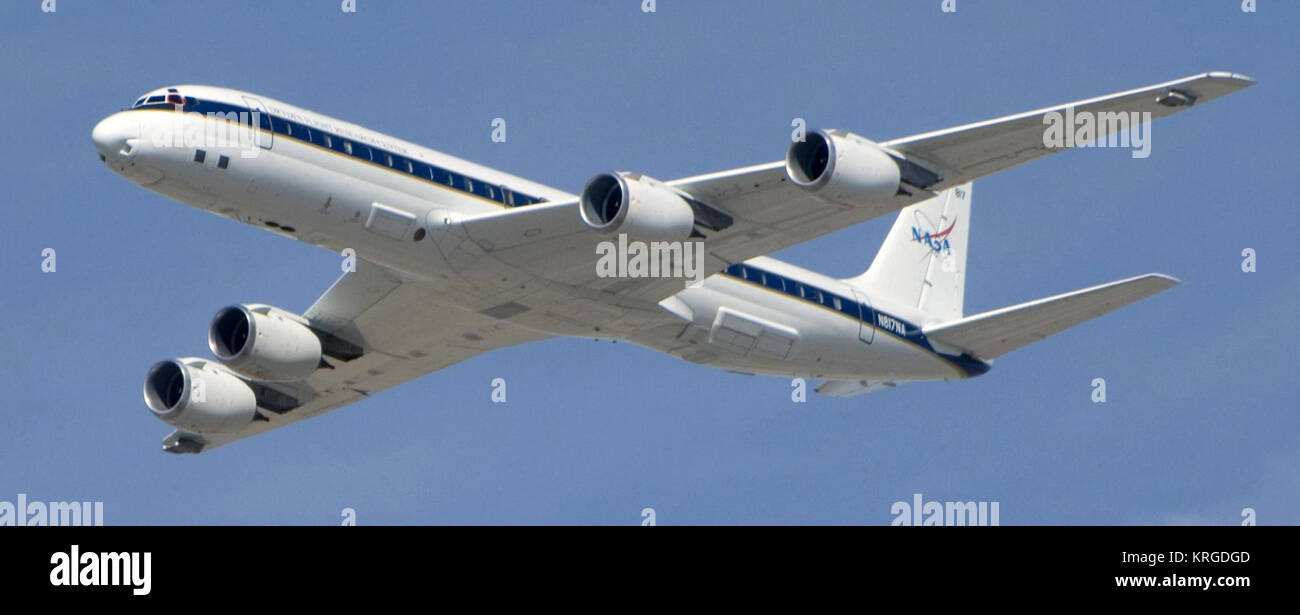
(428, 172)
(500, 194)
(785, 285)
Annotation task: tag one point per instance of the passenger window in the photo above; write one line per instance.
(223, 162)
(388, 159)
(410, 168)
(775, 282)
(347, 147)
(329, 143)
(838, 306)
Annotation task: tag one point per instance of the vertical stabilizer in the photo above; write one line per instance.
(923, 259)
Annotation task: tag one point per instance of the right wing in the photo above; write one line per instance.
(377, 331)
(995, 333)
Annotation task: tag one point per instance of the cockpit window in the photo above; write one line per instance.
(171, 97)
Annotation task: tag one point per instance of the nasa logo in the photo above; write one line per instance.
(924, 232)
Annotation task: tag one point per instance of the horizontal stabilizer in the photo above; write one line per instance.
(995, 333)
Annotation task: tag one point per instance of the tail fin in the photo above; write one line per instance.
(923, 259)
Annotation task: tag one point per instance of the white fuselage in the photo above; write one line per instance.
(317, 179)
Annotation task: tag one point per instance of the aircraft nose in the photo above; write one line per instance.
(116, 137)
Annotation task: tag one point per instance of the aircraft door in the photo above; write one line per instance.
(866, 318)
(263, 135)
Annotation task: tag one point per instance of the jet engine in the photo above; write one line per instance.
(199, 396)
(640, 206)
(843, 168)
(263, 342)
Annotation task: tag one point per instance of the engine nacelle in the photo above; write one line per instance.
(640, 206)
(843, 168)
(263, 342)
(199, 396)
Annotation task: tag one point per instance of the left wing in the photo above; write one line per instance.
(551, 242)
(966, 153)
(377, 332)
(767, 213)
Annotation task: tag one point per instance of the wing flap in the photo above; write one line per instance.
(852, 388)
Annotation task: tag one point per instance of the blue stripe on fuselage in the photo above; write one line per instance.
(444, 178)
(893, 325)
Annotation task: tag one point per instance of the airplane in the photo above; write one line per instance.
(444, 259)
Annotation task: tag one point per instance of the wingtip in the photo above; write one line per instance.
(1166, 277)
(1223, 74)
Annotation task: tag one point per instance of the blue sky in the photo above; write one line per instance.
(1200, 420)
